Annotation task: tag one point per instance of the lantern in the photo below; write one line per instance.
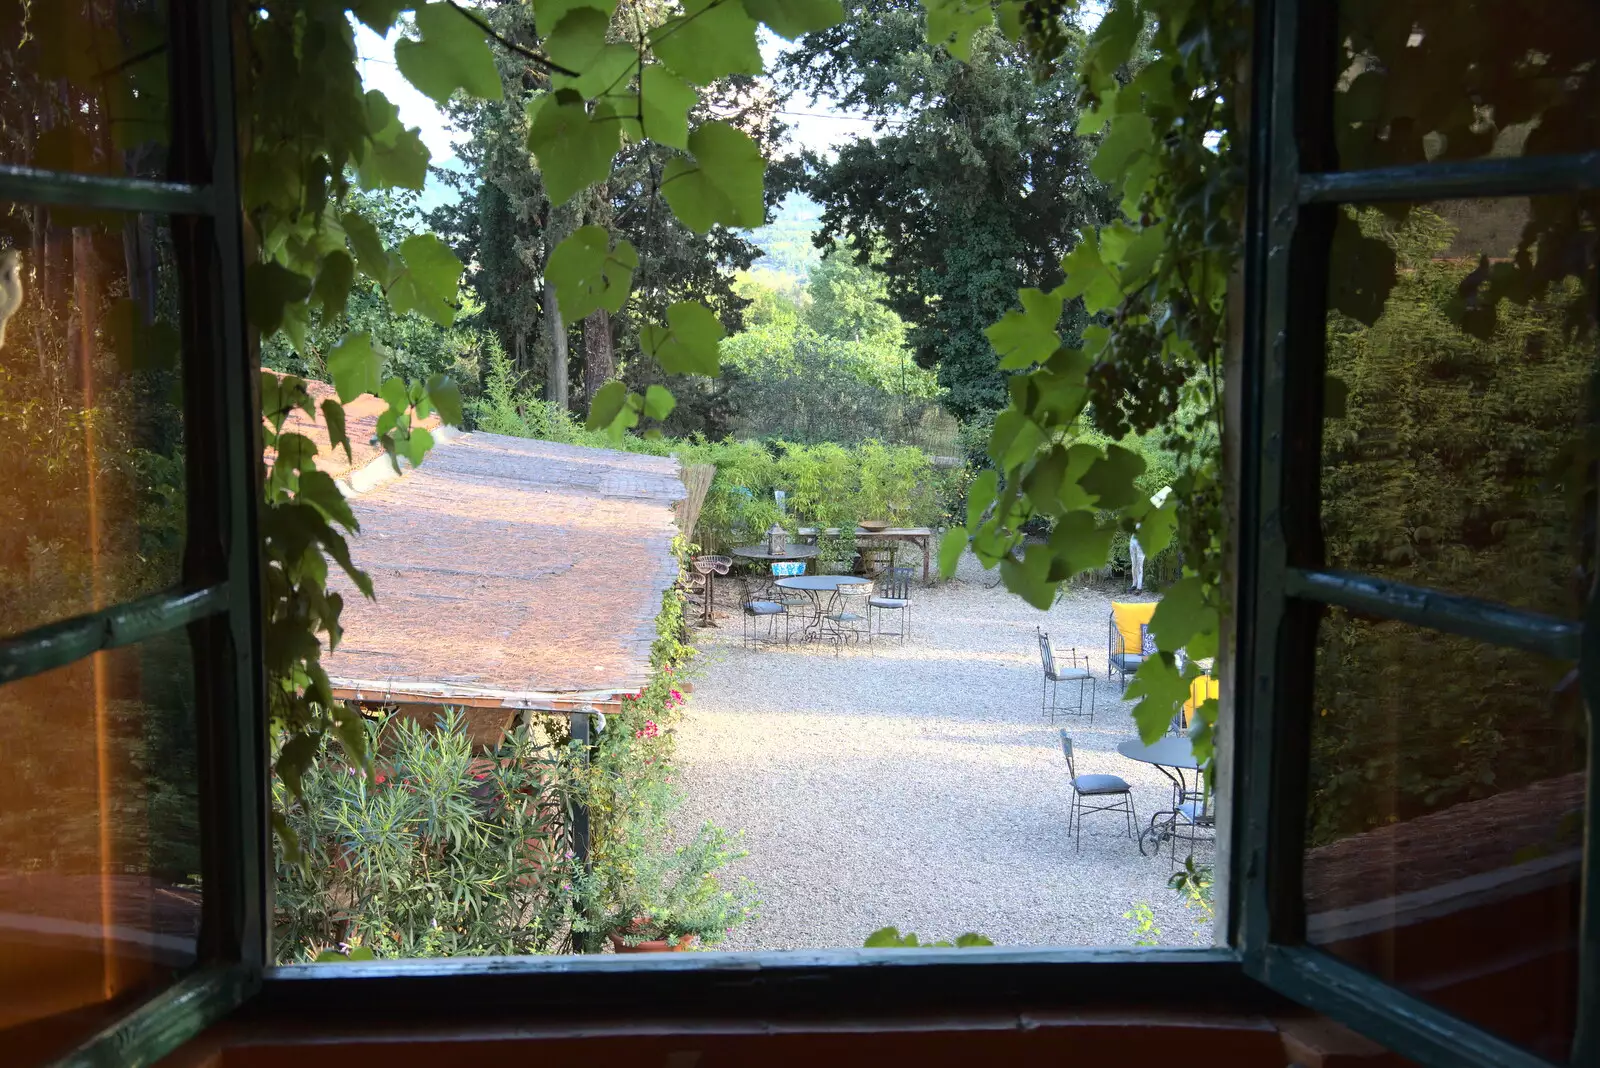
(777, 540)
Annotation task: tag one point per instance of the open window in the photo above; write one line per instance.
(133, 800)
(1418, 527)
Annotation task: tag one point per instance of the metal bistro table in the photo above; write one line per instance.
(814, 586)
(1175, 757)
(757, 554)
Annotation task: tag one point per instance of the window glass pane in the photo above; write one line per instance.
(91, 423)
(1445, 823)
(1461, 396)
(1424, 80)
(99, 841)
(85, 86)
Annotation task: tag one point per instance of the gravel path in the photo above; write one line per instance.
(918, 785)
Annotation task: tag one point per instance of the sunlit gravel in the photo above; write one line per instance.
(918, 785)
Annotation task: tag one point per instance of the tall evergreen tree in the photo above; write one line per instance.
(973, 184)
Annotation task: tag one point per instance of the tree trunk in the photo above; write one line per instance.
(555, 333)
(599, 362)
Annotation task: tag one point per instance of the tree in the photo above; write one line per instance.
(974, 184)
(505, 228)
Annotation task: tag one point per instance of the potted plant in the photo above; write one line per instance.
(674, 899)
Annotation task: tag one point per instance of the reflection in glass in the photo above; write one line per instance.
(91, 425)
(1435, 80)
(83, 86)
(1461, 398)
(1445, 823)
(99, 841)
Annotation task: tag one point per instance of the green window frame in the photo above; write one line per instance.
(218, 599)
(1292, 206)
(219, 604)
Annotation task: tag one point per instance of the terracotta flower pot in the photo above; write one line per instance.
(656, 945)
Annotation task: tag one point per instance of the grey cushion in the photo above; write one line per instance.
(888, 602)
(1100, 784)
(1126, 661)
(1070, 674)
(763, 608)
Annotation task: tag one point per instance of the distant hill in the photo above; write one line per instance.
(786, 240)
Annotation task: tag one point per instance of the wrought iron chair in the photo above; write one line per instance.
(1111, 788)
(842, 621)
(894, 595)
(1072, 668)
(1194, 820)
(1119, 658)
(790, 599)
(755, 612)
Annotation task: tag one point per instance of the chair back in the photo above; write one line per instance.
(1126, 617)
(1047, 655)
(1066, 748)
(895, 582)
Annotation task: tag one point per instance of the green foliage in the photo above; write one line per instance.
(442, 852)
(674, 893)
(891, 938)
(1145, 930)
(959, 212)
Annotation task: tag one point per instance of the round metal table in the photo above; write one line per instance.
(1174, 756)
(814, 586)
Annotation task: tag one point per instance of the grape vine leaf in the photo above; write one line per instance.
(711, 39)
(551, 12)
(664, 104)
(367, 245)
(1079, 544)
(588, 274)
(1088, 276)
(579, 43)
(377, 15)
(1029, 578)
(354, 364)
(1182, 614)
(1131, 134)
(659, 402)
(445, 396)
(1028, 336)
(395, 156)
(608, 408)
(573, 151)
(1160, 689)
(953, 24)
(951, 546)
(791, 18)
(268, 287)
(688, 343)
(722, 184)
(453, 54)
(1110, 478)
(334, 278)
(429, 281)
(333, 415)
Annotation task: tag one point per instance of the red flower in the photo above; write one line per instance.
(381, 778)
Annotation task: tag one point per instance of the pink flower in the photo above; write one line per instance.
(381, 777)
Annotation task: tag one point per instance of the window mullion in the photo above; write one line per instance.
(1510, 176)
(58, 644)
(37, 186)
(1484, 621)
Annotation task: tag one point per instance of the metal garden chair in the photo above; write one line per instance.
(894, 595)
(759, 612)
(1069, 669)
(1119, 658)
(1085, 788)
(843, 621)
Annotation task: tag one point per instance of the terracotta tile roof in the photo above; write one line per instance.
(509, 571)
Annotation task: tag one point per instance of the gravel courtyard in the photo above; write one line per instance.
(919, 786)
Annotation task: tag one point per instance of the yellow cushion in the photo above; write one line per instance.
(1129, 617)
(1206, 686)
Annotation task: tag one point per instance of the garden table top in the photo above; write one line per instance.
(759, 552)
(815, 583)
(1175, 752)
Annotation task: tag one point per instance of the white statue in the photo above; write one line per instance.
(1135, 550)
